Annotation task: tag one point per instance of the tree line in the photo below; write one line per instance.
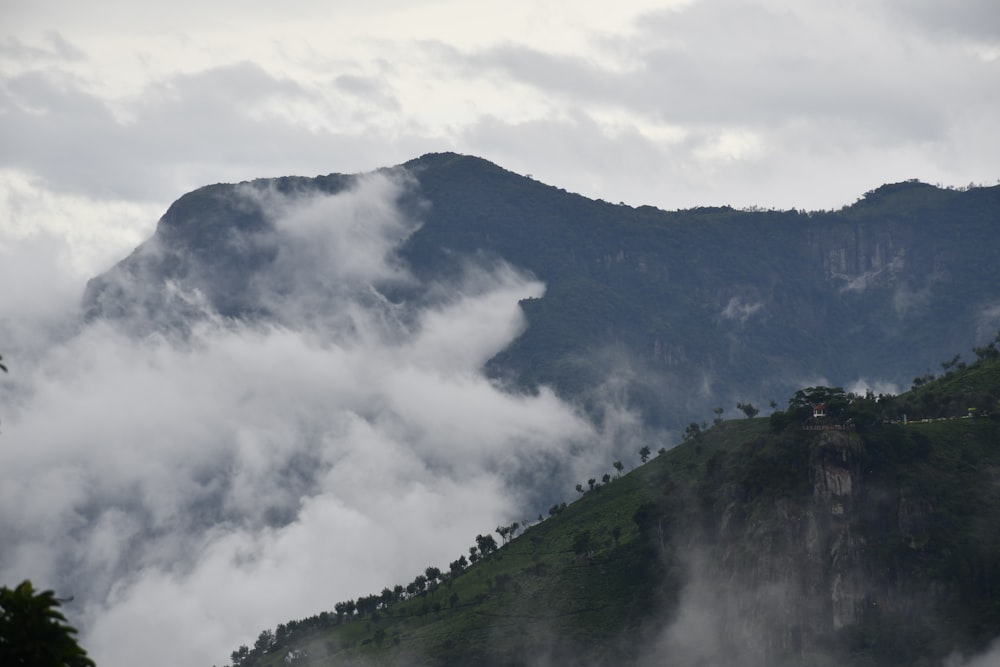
(375, 605)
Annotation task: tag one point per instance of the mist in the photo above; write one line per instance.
(188, 491)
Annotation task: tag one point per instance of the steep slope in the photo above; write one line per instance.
(684, 310)
(791, 540)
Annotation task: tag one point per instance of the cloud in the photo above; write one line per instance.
(722, 620)
(862, 386)
(970, 19)
(231, 122)
(987, 323)
(733, 67)
(695, 103)
(213, 485)
(736, 309)
(989, 658)
(54, 48)
(370, 90)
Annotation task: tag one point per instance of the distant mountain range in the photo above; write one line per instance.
(672, 313)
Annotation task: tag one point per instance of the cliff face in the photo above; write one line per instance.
(857, 562)
(794, 570)
(835, 551)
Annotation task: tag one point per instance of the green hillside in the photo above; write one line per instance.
(851, 539)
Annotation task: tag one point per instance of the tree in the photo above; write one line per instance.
(486, 544)
(605, 478)
(619, 467)
(692, 431)
(239, 655)
(367, 605)
(264, 643)
(33, 633)
(582, 543)
(644, 454)
(989, 351)
(835, 399)
(457, 566)
(341, 609)
(579, 488)
(591, 482)
(386, 598)
(432, 574)
(718, 415)
(952, 363)
(748, 409)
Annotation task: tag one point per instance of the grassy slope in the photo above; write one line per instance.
(536, 597)
(589, 602)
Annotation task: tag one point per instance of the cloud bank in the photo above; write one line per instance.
(192, 490)
(691, 103)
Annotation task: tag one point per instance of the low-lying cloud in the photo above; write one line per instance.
(192, 490)
(739, 310)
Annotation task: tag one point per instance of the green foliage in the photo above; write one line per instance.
(34, 633)
(692, 431)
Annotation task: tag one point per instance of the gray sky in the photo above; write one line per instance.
(112, 109)
(208, 490)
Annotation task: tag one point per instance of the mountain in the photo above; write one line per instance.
(856, 538)
(670, 313)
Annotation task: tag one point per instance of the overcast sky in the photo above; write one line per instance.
(343, 455)
(114, 108)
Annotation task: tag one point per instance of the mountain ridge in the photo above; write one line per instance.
(674, 297)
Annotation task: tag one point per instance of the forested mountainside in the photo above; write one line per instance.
(668, 312)
(834, 532)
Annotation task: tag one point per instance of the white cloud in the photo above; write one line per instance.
(214, 485)
(89, 233)
(989, 658)
(739, 310)
(777, 108)
(862, 386)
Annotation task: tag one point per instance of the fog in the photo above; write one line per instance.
(190, 490)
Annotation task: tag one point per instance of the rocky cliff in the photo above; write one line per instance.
(869, 558)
